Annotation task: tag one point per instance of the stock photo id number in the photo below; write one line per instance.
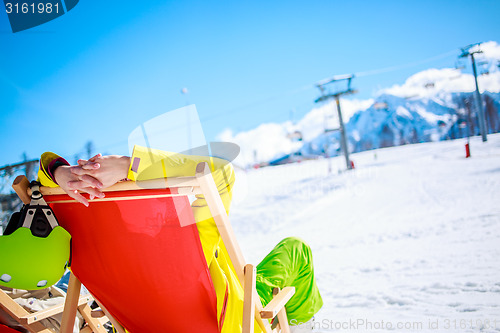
(26, 14)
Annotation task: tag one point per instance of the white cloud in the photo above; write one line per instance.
(271, 140)
(263, 143)
(225, 135)
(491, 50)
(436, 81)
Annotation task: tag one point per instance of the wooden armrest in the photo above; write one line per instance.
(180, 186)
(20, 185)
(271, 310)
(160, 183)
(43, 314)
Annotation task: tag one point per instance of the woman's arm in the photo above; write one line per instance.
(55, 171)
(108, 170)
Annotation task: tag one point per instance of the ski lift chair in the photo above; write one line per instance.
(147, 271)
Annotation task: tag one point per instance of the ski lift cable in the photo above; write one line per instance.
(399, 67)
(391, 68)
(336, 77)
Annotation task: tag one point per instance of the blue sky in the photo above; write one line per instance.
(103, 68)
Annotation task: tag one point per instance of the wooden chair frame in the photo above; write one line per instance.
(32, 320)
(202, 183)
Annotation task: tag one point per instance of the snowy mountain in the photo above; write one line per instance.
(394, 121)
(432, 105)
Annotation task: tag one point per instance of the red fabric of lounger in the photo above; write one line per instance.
(135, 258)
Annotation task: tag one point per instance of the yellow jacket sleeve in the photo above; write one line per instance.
(152, 163)
(47, 161)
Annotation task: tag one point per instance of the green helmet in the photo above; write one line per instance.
(35, 255)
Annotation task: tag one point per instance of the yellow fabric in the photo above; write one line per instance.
(43, 173)
(151, 163)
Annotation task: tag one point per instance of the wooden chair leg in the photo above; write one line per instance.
(249, 299)
(282, 318)
(71, 304)
(276, 308)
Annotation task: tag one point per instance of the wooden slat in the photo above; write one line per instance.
(277, 303)
(177, 182)
(249, 300)
(98, 313)
(86, 329)
(283, 320)
(264, 324)
(182, 185)
(46, 313)
(138, 197)
(11, 307)
(93, 323)
(103, 320)
(16, 311)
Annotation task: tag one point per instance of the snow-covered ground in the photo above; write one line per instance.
(408, 241)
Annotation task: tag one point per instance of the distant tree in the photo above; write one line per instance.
(465, 108)
(402, 139)
(89, 149)
(29, 168)
(386, 137)
(366, 143)
(76, 157)
(491, 113)
(413, 135)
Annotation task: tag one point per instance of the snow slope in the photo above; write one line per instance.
(411, 237)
